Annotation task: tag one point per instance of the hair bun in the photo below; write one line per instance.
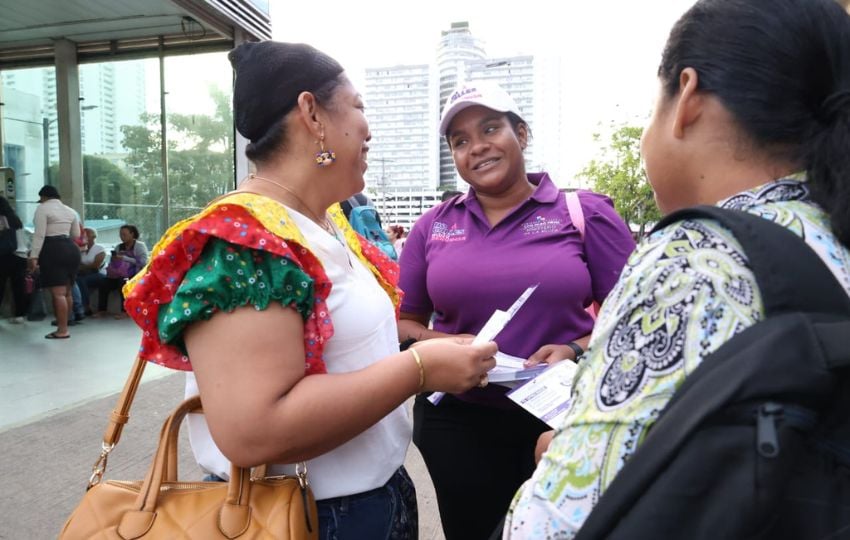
(835, 104)
(270, 75)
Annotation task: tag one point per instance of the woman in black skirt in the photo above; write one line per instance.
(55, 254)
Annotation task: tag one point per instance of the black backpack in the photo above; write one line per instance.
(8, 239)
(756, 442)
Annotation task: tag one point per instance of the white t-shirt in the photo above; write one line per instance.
(364, 331)
(52, 218)
(88, 257)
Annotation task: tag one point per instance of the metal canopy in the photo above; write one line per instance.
(29, 28)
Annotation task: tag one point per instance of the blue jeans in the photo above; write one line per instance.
(388, 512)
(78, 311)
(87, 282)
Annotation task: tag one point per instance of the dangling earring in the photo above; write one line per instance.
(324, 158)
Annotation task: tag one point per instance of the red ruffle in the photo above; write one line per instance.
(234, 224)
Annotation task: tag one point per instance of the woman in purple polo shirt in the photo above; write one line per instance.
(476, 253)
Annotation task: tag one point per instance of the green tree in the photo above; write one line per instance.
(619, 174)
(104, 184)
(200, 162)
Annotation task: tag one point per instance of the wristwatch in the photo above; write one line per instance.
(576, 349)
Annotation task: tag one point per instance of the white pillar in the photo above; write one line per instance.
(68, 114)
(242, 166)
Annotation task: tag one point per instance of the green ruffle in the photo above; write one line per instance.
(228, 276)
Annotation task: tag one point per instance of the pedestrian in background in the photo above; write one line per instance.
(126, 261)
(91, 271)
(13, 260)
(55, 254)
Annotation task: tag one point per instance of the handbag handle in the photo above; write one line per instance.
(235, 514)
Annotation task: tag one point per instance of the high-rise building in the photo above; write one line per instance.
(405, 102)
(515, 75)
(403, 150)
(457, 49)
(534, 83)
(408, 160)
(111, 95)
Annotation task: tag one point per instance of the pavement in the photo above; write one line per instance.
(55, 397)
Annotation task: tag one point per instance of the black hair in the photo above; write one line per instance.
(134, 231)
(515, 122)
(448, 194)
(9, 213)
(782, 68)
(274, 139)
(49, 192)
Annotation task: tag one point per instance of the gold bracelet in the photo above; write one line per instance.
(418, 360)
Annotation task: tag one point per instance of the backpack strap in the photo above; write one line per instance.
(354, 201)
(790, 275)
(576, 213)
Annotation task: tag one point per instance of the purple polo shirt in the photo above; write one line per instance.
(457, 266)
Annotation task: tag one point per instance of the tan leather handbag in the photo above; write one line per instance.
(161, 507)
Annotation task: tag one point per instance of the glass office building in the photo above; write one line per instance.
(125, 106)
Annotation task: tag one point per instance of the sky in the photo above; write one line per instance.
(608, 49)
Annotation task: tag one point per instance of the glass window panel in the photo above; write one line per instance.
(200, 131)
(122, 160)
(30, 142)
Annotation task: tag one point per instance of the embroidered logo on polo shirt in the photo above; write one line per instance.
(441, 232)
(540, 224)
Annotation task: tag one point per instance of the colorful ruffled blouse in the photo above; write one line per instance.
(243, 249)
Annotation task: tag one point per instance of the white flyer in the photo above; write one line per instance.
(511, 370)
(498, 320)
(547, 396)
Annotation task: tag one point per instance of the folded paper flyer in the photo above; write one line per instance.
(547, 396)
(498, 320)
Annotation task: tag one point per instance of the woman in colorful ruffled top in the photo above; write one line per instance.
(286, 318)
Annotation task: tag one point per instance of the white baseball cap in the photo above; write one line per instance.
(485, 93)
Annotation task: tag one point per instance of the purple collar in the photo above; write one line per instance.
(545, 192)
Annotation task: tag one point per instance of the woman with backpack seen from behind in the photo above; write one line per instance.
(286, 318)
(476, 253)
(752, 92)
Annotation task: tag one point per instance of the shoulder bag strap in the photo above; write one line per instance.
(117, 418)
(576, 212)
(120, 415)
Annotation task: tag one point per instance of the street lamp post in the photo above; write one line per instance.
(383, 182)
(45, 131)
(45, 127)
